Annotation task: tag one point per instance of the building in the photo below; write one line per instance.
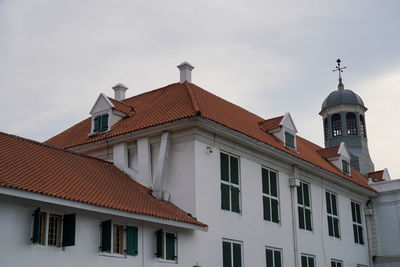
(195, 181)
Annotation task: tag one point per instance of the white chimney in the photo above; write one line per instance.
(120, 90)
(185, 72)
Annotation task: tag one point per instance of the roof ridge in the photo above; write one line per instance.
(149, 92)
(192, 98)
(121, 102)
(52, 147)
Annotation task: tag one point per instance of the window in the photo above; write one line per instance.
(166, 245)
(118, 239)
(51, 226)
(332, 214)
(362, 127)
(289, 140)
(230, 192)
(273, 257)
(231, 254)
(336, 263)
(357, 223)
(326, 130)
(346, 167)
(351, 123)
(336, 125)
(101, 123)
(270, 195)
(307, 261)
(304, 206)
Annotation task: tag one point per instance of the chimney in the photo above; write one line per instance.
(185, 72)
(119, 90)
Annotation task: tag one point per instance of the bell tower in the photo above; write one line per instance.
(343, 117)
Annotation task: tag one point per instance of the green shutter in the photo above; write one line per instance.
(274, 207)
(234, 170)
(224, 167)
(235, 192)
(69, 224)
(96, 127)
(131, 240)
(170, 246)
(265, 183)
(226, 254)
(267, 208)
(106, 228)
(277, 258)
(36, 226)
(225, 197)
(237, 255)
(104, 122)
(269, 257)
(160, 245)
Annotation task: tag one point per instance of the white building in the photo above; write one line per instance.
(248, 191)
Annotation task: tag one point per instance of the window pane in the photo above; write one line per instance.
(265, 183)
(237, 255)
(360, 235)
(224, 167)
(226, 254)
(267, 208)
(336, 227)
(358, 213)
(299, 195)
(333, 264)
(308, 219)
(334, 208)
(306, 195)
(277, 258)
(225, 197)
(274, 187)
(234, 170)
(235, 199)
(336, 125)
(303, 261)
(330, 225)
(355, 233)
(268, 255)
(274, 204)
(353, 212)
(328, 203)
(351, 123)
(310, 262)
(301, 217)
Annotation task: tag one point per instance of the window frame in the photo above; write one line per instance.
(308, 257)
(357, 225)
(273, 256)
(332, 215)
(304, 206)
(345, 167)
(269, 195)
(58, 230)
(164, 246)
(292, 137)
(115, 236)
(124, 246)
(336, 262)
(231, 184)
(232, 258)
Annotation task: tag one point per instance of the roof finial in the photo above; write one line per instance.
(340, 70)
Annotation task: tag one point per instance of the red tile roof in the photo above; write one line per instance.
(329, 152)
(32, 166)
(183, 100)
(122, 107)
(376, 176)
(270, 124)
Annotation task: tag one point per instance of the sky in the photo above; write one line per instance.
(270, 57)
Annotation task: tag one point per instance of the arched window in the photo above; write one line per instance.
(351, 123)
(362, 127)
(326, 130)
(336, 125)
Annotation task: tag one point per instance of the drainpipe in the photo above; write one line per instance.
(294, 183)
(368, 213)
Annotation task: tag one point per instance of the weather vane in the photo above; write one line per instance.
(339, 69)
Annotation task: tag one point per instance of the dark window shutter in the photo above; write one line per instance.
(69, 224)
(170, 246)
(235, 199)
(224, 167)
(234, 170)
(269, 256)
(131, 240)
(106, 235)
(265, 183)
(277, 257)
(160, 245)
(104, 122)
(267, 211)
(274, 187)
(237, 255)
(303, 261)
(226, 254)
(308, 219)
(274, 206)
(301, 217)
(225, 197)
(96, 127)
(36, 226)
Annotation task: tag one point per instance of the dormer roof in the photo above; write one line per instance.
(379, 176)
(122, 107)
(329, 152)
(270, 124)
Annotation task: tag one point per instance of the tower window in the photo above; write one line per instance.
(326, 131)
(336, 125)
(362, 126)
(351, 123)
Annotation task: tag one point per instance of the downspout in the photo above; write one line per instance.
(368, 213)
(294, 182)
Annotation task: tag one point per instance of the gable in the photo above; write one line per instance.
(288, 124)
(102, 104)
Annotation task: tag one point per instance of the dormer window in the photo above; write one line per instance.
(100, 123)
(345, 167)
(289, 141)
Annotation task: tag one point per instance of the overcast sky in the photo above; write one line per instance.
(269, 57)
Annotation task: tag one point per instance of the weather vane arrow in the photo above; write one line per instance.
(339, 69)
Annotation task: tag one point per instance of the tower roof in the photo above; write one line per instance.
(344, 96)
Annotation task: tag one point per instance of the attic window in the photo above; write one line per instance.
(289, 140)
(100, 123)
(346, 167)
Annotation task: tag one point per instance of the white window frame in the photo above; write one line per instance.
(305, 207)
(270, 195)
(335, 261)
(238, 186)
(241, 249)
(333, 215)
(46, 229)
(358, 224)
(273, 258)
(308, 256)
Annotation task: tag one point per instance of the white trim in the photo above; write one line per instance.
(90, 207)
(102, 95)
